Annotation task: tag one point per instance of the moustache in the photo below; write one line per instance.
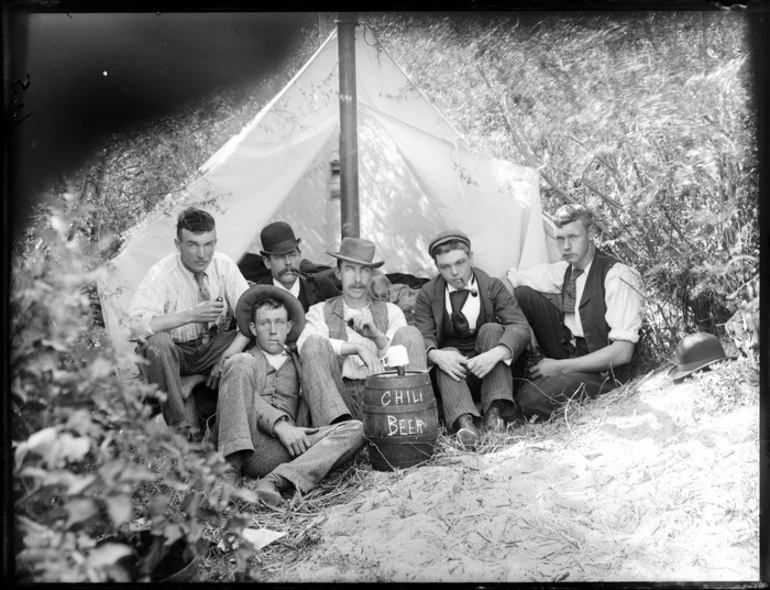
(296, 271)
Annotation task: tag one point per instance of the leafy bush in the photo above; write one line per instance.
(646, 118)
(92, 472)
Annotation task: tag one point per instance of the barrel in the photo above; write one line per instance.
(400, 419)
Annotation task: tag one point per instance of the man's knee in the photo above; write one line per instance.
(157, 345)
(408, 334)
(489, 336)
(525, 296)
(316, 345)
(240, 362)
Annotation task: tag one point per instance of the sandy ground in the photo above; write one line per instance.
(656, 482)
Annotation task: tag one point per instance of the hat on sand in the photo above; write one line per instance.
(695, 352)
(244, 310)
(447, 236)
(358, 251)
(278, 238)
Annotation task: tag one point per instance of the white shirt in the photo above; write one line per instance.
(472, 306)
(169, 287)
(294, 288)
(623, 295)
(276, 360)
(353, 367)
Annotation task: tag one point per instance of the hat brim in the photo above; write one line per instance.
(282, 248)
(244, 310)
(339, 256)
(678, 373)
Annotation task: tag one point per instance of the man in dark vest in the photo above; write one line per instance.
(473, 330)
(585, 312)
(281, 256)
(345, 338)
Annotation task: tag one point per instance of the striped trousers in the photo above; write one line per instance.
(457, 396)
(166, 361)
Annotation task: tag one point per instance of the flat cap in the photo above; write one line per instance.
(447, 236)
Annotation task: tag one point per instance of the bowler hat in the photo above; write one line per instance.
(278, 238)
(244, 310)
(358, 251)
(696, 351)
(447, 236)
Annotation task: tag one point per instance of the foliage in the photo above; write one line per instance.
(646, 118)
(92, 472)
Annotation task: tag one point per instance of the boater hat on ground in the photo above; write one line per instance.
(358, 251)
(447, 236)
(244, 310)
(696, 351)
(278, 238)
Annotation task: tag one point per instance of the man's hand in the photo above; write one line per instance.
(216, 371)
(480, 365)
(548, 368)
(452, 362)
(366, 327)
(370, 359)
(293, 438)
(206, 311)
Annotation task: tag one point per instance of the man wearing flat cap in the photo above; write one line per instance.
(346, 337)
(258, 425)
(473, 330)
(281, 256)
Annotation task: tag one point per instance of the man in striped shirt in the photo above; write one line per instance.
(182, 312)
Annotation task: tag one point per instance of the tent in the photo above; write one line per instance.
(416, 177)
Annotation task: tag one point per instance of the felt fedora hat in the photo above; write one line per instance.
(244, 310)
(278, 238)
(695, 352)
(448, 236)
(358, 251)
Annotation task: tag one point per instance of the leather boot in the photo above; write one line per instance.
(493, 419)
(467, 434)
(269, 490)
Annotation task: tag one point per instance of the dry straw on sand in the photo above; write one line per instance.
(651, 482)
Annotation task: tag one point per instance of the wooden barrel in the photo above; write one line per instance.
(400, 419)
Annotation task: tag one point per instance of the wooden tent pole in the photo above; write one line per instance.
(346, 39)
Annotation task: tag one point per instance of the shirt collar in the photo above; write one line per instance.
(294, 288)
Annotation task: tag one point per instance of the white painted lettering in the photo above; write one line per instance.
(392, 425)
(385, 399)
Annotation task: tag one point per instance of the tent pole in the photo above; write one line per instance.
(346, 35)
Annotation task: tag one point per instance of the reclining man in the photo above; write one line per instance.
(585, 312)
(182, 311)
(346, 337)
(473, 330)
(256, 426)
(281, 255)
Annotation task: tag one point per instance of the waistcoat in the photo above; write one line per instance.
(334, 316)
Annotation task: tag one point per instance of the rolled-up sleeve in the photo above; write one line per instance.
(625, 296)
(145, 305)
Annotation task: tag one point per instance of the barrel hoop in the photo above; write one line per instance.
(413, 408)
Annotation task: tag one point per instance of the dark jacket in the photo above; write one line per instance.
(497, 306)
(311, 291)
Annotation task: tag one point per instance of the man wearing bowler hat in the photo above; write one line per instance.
(585, 312)
(281, 256)
(346, 337)
(258, 426)
(473, 330)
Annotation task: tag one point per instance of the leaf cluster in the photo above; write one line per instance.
(646, 118)
(101, 491)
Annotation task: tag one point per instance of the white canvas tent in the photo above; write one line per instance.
(416, 177)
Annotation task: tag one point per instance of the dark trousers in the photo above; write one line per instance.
(541, 396)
